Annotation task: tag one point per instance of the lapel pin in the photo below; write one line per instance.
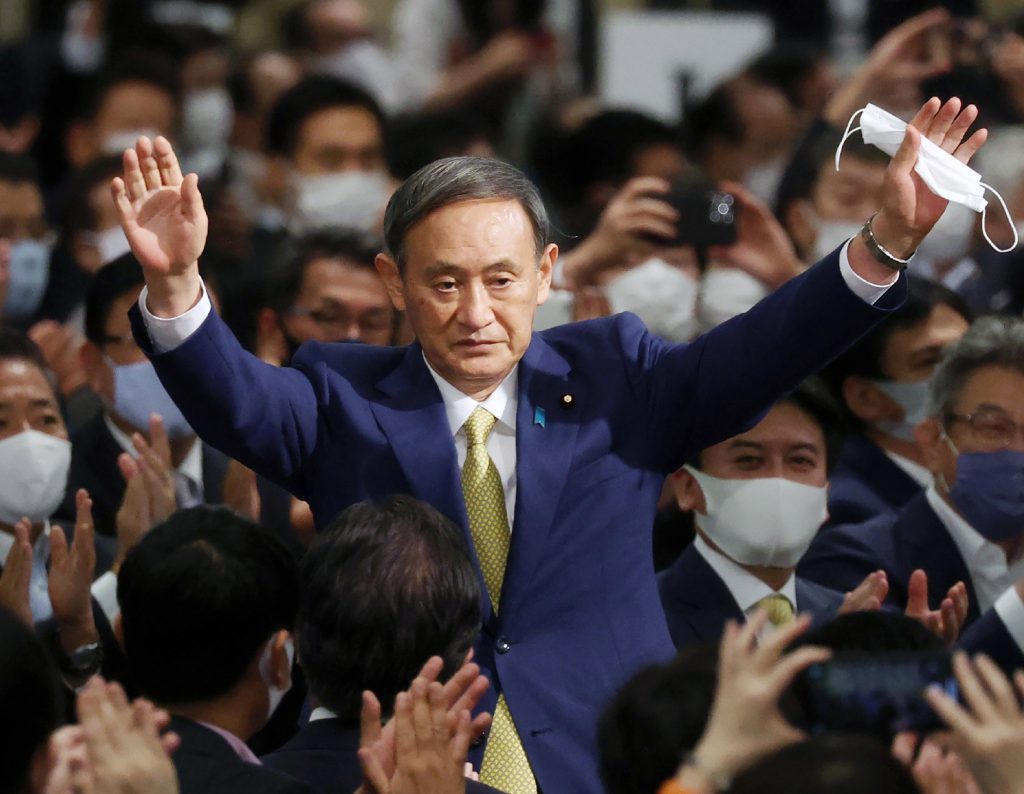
(568, 401)
(538, 416)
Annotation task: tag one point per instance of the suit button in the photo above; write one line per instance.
(503, 645)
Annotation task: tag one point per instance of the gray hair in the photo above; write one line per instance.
(990, 341)
(456, 179)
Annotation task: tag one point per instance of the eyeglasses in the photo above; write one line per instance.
(994, 430)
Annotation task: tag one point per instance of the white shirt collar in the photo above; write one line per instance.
(912, 469)
(501, 404)
(746, 588)
(191, 466)
(968, 540)
(321, 713)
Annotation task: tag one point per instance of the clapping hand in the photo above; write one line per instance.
(17, 574)
(868, 596)
(163, 218)
(946, 621)
(71, 575)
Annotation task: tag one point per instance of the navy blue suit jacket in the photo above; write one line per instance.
(698, 603)
(899, 544)
(323, 756)
(579, 607)
(866, 483)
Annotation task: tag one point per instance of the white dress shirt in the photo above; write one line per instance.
(104, 589)
(992, 576)
(912, 469)
(746, 589)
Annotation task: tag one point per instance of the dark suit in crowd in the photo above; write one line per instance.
(865, 483)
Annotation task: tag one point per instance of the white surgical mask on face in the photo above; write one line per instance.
(110, 243)
(944, 175)
(348, 199)
(117, 142)
(950, 238)
(726, 292)
(33, 475)
(207, 116)
(664, 297)
(769, 521)
(912, 398)
(275, 694)
(832, 234)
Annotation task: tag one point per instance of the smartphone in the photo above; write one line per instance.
(879, 693)
(707, 215)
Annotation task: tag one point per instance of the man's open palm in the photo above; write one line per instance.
(160, 211)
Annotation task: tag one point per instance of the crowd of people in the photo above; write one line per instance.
(380, 412)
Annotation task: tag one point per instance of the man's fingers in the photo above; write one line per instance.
(461, 738)
(58, 548)
(192, 198)
(921, 23)
(773, 647)
(369, 720)
(147, 162)
(966, 150)
(950, 711)
(480, 725)
(998, 685)
(923, 118)
(974, 694)
(405, 731)
(167, 160)
(134, 182)
(955, 134)
(373, 773)
(128, 466)
(421, 716)
(643, 185)
(943, 120)
(84, 535)
(792, 664)
(950, 622)
(158, 439)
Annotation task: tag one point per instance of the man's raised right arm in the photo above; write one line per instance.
(264, 416)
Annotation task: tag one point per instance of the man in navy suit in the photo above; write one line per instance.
(361, 627)
(882, 382)
(969, 526)
(768, 488)
(587, 419)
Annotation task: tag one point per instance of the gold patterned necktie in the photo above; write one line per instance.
(780, 610)
(505, 764)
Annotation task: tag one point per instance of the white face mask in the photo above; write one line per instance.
(33, 475)
(726, 292)
(912, 398)
(275, 694)
(944, 175)
(763, 180)
(207, 117)
(664, 297)
(832, 234)
(117, 142)
(349, 199)
(110, 243)
(769, 521)
(950, 238)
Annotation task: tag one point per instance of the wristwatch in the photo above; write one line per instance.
(85, 660)
(879, 252)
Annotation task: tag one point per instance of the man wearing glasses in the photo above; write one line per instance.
(969, 525)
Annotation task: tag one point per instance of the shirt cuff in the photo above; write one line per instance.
(867, 291)
(104, 590)
(169, 333)
(1010, 609)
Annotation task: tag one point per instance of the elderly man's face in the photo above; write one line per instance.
(471, 284)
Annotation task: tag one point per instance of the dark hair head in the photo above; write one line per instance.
(19, 90)
(200, 595)
(787, 68)
(417, 139)
(79, 214)
(828, 764)
(869, 632)
(285, 281)
(297, 28)
(308, 97)
(30, 700)
(655, 719)
(864, 358)
(108, 284)
(454, 179)
(14, 344)
(387, 586)
(715, 118)
(17, 168)
(136, 66)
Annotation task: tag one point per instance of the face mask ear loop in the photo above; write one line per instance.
(847, 134)
(1013, 227)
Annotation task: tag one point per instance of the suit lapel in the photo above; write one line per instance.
(411, 414)
(700, 596)
(545, 440)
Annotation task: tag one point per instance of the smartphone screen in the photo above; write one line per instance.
(880, 694)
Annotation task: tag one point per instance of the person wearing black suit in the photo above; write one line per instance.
(882, 383)
(968, 526)
(386, 587)
(130, 392)
(208, 601)
(744, 556)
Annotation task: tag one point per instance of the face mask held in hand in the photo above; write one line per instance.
(769, 521)
(33, 475)
(944, 175)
